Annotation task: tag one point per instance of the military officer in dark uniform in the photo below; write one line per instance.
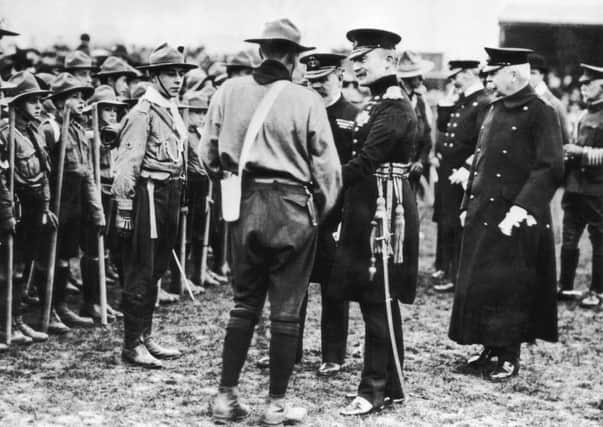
(147, 188)
(383, 135)
(325, 75)
(506, 293)
(459, 124)
(583, 199)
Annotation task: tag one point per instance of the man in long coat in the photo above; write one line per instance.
(383, 133)
(505, 292)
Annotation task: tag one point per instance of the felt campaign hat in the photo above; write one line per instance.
(78, 60)
(367, 39)
(166, 56)
(116, 66)
(281, 30)
(195, 100)
(319, 65)
(103, 95)
(66, 83)
(412, 65)
(241, 60)
(24, 84)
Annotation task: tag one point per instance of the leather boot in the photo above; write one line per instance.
(94, 311)
(569, 263)
(153, 346)
(134, 351)
(17, 337)
(29, 331)
(72, 319)
(56, 325)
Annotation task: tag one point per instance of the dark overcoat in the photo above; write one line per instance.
(459, 127)
(506, 289)
(341, 118)
(384, 132)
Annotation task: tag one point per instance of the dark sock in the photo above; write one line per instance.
(283, 350)
(236, 344)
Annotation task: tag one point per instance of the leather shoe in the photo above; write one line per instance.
(504, 370)
(94, 311)
(358, 406)
(72, 319)
(140, 356)
(56, 325)
(278, 412)
(479, 361)
(160, 352)
(263, 362)
(17, 337)
(27, 330)
(166, 297)
(227, 408)
(569, 295)
(115, 313)
(444, 287)
(328, 369)
(591, 300)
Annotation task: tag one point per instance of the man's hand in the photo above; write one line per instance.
(416, 168)
(8, 226)
(514, 217)
(123, 223)
(463, 217)
(460, 176)
(49, 220)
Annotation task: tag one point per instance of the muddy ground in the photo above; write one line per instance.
(80, 380)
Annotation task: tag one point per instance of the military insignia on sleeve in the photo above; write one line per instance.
(344, 124)
(362, 118)
(393, 92)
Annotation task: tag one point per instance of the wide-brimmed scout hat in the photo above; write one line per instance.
(195, 100)
(367, 39)
(78, 60)
(23, 84)
(114, 66)
(457, 65)
(281, 30)
(136, 92)
(103, 95)
(319, 65)
(242, 60)
(166, 56)
(412, 65)
(193, 79)
(590, 72)
(66, 83)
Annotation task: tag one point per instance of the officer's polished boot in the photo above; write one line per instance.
(134, 351)
(91, 290)
(56, 325)
(153, 346)
(27, 330)
(569, 263)
(67, 316)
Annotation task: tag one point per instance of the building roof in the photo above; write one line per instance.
(575, 12)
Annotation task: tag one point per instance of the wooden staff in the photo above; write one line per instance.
(206, 230)
(102, 276)
(56, 208)
(10, 242)
(184, 216)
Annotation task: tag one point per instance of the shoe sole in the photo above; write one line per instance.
(140, 365)
(223, 421)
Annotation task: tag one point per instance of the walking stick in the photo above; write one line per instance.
(225, 267)
(102, 276)
(56, 208)
(186, 284)
(382, 219)
(10, 242)
(208, 276)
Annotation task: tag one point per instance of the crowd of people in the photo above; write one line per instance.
(296, 165)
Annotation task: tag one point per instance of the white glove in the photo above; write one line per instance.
(514, 217)
(462, 217)
(460, 176)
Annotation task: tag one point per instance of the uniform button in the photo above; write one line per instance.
(485, 224)
(454, 125)
(548, 226)
(475, 104)
(446, 134)
(504, 151)
(472, 196)
(525, 108)
(475, 173)
(355, 140)
(482, 127)
(356, 128)
(462, 107)
(491, 199)
(498, 175)
(452, 144)
(514, 127)
(353, 152)
(479, 149)
(452, 135)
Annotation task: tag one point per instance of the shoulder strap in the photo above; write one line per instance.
(258, 119)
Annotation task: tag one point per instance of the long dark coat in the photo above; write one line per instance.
(505, 291)
(459, 127)
(383, 132)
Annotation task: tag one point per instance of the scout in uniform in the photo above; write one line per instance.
(239, 65)
(32, 188)
(459, 124)
(118, 74)
(109, 109)
(382, 145)
(81, 66)
(324, 72)
(147, 188)
(411, 72)
(79, 199)
(583, 198)
(506, 292)
(290, 177)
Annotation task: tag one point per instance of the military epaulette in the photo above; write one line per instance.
(393, 92)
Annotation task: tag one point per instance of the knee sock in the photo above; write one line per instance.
(236, 344)
(283, 349)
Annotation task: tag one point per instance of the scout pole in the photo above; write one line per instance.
(56, 208)
(10, 238)
(102, 278)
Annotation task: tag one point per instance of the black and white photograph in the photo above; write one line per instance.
(288, 212)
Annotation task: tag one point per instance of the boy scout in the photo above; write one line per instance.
(147, 189)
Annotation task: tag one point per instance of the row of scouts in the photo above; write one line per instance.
(309, 166)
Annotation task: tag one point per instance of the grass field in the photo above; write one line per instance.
(80, 380)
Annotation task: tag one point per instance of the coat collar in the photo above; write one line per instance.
(595, 106)
(270, 71)
(519, 98)
(379, 86)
